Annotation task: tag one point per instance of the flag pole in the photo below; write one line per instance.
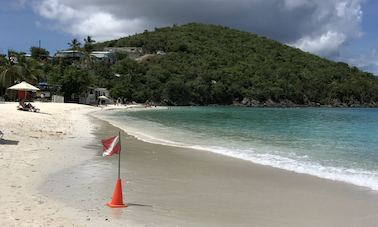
(119, 156)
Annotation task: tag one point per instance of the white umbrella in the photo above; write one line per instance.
(103, 97)
(24, 86)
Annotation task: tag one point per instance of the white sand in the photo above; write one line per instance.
(34, 146)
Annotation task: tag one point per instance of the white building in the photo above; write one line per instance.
(90, 96)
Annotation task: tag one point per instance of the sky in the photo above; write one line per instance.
(341, 30)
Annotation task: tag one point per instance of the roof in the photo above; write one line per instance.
(101, 54)
(69, 53)
(98, 88)
(101, 89)
(124, 49)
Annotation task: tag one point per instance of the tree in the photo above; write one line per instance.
(38, 53)
(88, 44)
(24, 70)
(177, 92)
(74, 44)
(74, 82)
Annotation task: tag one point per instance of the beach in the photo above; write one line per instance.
(36, 147)
(53, 174)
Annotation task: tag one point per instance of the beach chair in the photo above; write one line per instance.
(27, 107)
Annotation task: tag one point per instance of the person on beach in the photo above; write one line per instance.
(119, 101)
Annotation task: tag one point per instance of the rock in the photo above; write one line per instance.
(254, 102)
(246, 102)
(269, 103)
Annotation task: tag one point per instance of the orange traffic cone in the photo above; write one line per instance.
(117, 199)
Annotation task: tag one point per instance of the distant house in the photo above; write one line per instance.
(73, 55)
(90, 96)
(105, 56)
(132, 52)
(13, 60)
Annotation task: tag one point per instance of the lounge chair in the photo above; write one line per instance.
(27, 107)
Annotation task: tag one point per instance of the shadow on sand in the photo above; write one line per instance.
(42, 113)
(37, 112)
(138, 205)
(8, 142)
(117, 213)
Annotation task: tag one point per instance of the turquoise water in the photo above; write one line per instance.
(337, 144)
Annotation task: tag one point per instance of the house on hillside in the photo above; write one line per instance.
(105, 56)
(13, 59)
(73, 55)
(132, 52)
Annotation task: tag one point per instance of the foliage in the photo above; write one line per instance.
(37, 52)
(208, 64)
(202, 65)
(74, 81)
(25, 70)
(88, 44)
(74, 44)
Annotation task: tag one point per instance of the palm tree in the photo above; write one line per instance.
(88, 47)
(24, 70)
(74, 44)
(89, 39)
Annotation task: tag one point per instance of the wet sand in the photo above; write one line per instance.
(170, 186)
(53, 174)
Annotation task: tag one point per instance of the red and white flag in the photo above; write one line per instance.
(111, 146)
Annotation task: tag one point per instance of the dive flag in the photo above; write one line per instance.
(111, 146)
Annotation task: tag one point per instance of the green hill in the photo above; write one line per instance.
(208, 64)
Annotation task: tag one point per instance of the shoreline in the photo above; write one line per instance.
(291, 165)
(280, 197)
(56, 176)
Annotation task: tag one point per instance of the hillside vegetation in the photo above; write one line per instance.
(202, 65)
(208, 64)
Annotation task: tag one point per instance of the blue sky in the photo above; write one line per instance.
(20, 30)
(342, 30)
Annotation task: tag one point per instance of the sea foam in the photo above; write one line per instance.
(295, 163)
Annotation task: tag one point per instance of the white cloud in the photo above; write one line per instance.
(54, 9)
(321, 27)
(339, 23)
(324, 44)
(82, 21)
(105, 26)
(367, 61)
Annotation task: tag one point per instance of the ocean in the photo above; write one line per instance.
(333, 143)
